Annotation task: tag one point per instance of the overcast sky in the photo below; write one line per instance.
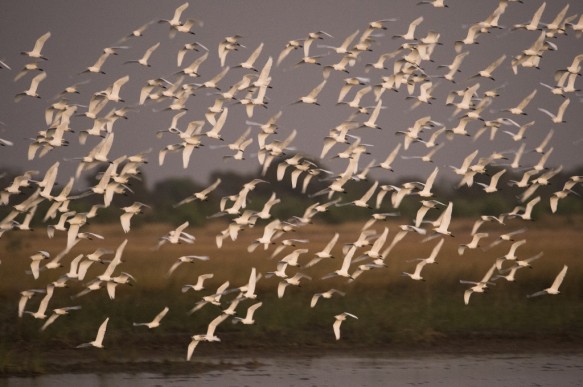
(80, 30)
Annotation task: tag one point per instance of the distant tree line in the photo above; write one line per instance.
(166, 193)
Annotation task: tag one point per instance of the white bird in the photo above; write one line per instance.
(487, 72)
(489, 188)
(26, 295)
(519, 109)
(324, 253)
(312, 97)
(188, 47)
(473, 243)
(362, 201)
(58, 312)
(410, 34)
(75, 224)
(292, 258)
(214, 299)
(511, 255)
(290, 46)
(210, 333)
(184, 27)
(541, 148)
(471, 37)
(279, 272)
(533, 23)
(343, 271)
(445, 220)
(426, 191)
(265, 211)
(557, 118)
(295, 280)
(218, 126)
(111, 93)
(511, 271)
(527, 214)
(230, 43)
(563, 193)
(177, 236)
(339, 318)
(55, 262)
(416, 275)
(137, 32)
(554, 289)
(479, 287)
(98, 342)
(156, 321)
(209, 336)
(454, 66)
(199, 283)
(505, 237)
(387, 163)
(129, 212)
(32, 90)
(375, 251)
(146, 57)
(248, 320)
(269, 232)
(35, 262)
(116, 261)
(249, 63)
(186, 259)
(434, 252)
(250, 288)
(91, 258)
(434, 3)
(327, 294)
(29, 67)
(38, 46)
(175, 21)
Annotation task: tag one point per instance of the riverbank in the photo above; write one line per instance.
(396, 315)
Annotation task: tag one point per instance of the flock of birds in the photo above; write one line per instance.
(399, 70)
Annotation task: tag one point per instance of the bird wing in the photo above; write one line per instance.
(49, 321)
(488, 274)
(348, 259)
(336, 328)
(539, 293)
(101, 332)
(467, 295)
(526, 100)
(125, 221)
(36, 80)
(436, 249)
(213, 324)
(252, 310)
(252, 281)
(161, 315)
(177, 13)
(316, 90)
(332, 243)
(314, 300)
(191, 347)
(559, 279)
(149, 51)
(281, 288)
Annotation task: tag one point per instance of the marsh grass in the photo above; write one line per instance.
(393, 310)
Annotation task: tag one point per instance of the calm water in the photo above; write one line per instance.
(499, 370)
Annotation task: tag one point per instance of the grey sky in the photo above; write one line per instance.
(81, 29)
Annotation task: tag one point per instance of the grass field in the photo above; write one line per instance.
(394, 312)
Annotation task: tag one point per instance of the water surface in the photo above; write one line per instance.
(479, 370)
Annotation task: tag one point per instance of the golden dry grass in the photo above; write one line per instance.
(392, 309)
